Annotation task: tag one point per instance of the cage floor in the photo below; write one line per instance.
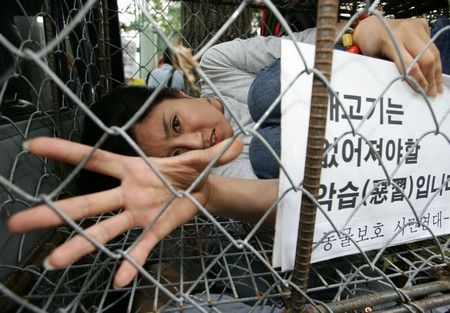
(198, 265)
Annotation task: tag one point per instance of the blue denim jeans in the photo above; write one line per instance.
(443, 43)
(263, 92)
(266, 88)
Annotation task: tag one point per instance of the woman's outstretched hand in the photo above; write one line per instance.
(411, 35)
(141, 195)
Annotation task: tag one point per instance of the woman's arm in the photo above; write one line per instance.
(243, 199)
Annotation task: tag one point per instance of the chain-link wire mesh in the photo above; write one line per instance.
(59, 57)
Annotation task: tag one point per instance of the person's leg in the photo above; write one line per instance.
(263, 162)
(263, 92)
(443, 42)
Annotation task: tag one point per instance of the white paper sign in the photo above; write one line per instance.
(351, 171)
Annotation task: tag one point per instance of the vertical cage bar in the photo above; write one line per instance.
(50, 32)
(99, 21)
(106, 45)
(326, 24)
(115, 45)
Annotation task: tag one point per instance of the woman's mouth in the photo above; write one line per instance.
(216, 137)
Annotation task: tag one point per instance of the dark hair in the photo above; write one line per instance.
(116, 109)
(167, 56)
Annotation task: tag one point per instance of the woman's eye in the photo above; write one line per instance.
(176, 152)
(176, 126)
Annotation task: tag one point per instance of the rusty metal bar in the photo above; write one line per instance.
(359, 303)
(326, 24)
(424, 304)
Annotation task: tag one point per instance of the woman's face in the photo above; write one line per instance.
(178, 125)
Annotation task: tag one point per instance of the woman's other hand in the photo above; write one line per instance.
(411, 35)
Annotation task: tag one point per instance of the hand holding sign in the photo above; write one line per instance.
(376, 185)
(410, 36)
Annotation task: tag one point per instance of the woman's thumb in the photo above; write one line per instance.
(232, 146)
(226, 151)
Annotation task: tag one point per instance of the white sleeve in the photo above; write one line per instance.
(233, 65)
(239, 168)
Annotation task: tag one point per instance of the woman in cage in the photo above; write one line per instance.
(184, 123)
(230, 190)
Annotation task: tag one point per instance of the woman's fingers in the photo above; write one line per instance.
(77, 247)
(438, 74)
(178, 213)
(127, 271)
(43, 216)
(201, 158)
(73, 153)
(412, 37)
(429, 61)
(415, 71)
(233, 150)
(427, 70)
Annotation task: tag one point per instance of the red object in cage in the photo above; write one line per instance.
(270, 26)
